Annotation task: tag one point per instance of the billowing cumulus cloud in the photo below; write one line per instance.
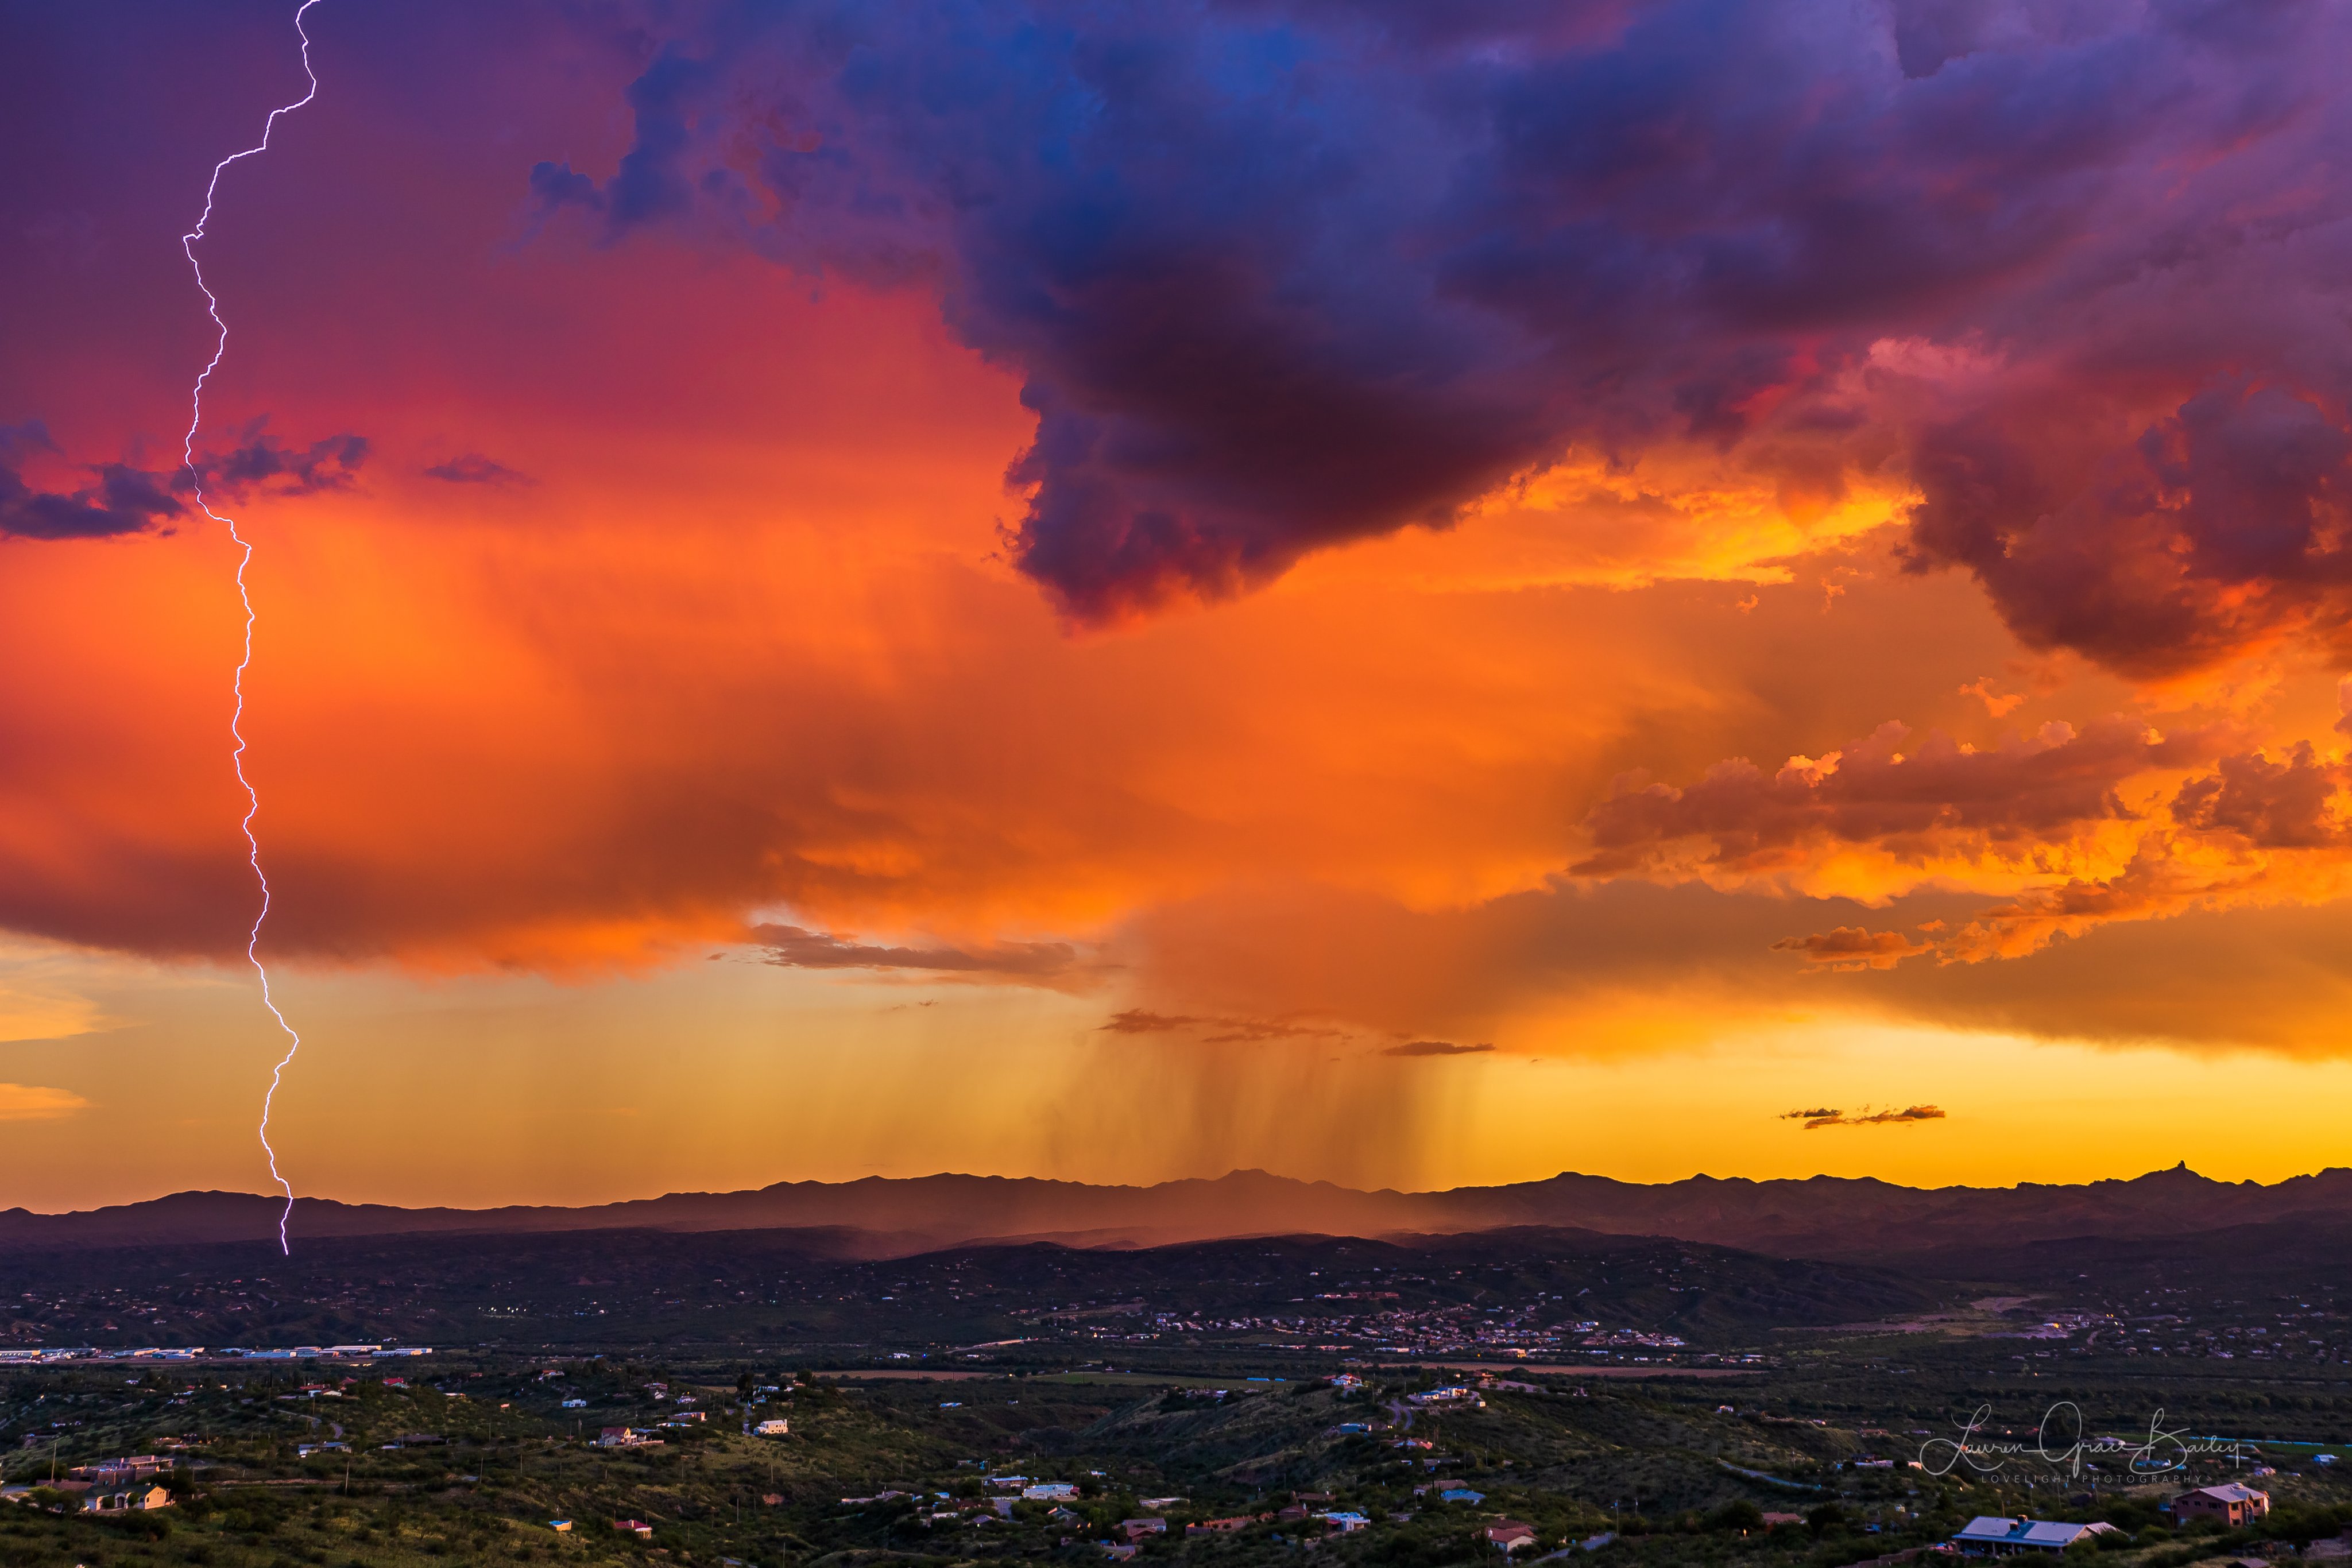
(1933, 805)
(2294, 801)
(1281, 275)
(2117, 823)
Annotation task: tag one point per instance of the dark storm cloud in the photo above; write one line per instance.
(260, 462)
(1281, 274)
(120, 498)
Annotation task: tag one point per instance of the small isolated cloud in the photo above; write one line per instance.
(1216, 1031)
(1135, 1020)
(473, 468)
(1435, 1048)
(32, 1102)
(1824, 1116)
(1852, 948)
(1999, 705)
(791, 947)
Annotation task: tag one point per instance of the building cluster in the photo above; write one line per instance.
(1627, 1339)
(52, 1355)
(1452, 1395)
(110, 1486)
(1401, 1331)
(627, 1437)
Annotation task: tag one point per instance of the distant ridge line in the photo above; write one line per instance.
(1823, 1217)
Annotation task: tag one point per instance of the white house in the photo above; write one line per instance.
(2001, 1536)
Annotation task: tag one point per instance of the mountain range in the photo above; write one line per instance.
(1819, 1216)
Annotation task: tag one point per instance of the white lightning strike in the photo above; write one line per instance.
(237, 720)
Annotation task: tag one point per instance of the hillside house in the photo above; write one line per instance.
(137, 1467)
(1454, 1394)
(1511, 1536)
(626, 1437)
(1997, 1535)
(1233, 1526)
(2233, 1503)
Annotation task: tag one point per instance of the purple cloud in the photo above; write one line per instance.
(1281, 274)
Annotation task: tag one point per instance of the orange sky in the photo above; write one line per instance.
(716, 800)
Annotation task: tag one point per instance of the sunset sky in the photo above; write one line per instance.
(1404, 594)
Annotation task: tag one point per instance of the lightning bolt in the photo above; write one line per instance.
(245, 557)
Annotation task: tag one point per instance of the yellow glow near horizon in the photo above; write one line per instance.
(477, 1091)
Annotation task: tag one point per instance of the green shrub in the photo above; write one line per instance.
(1739, 1514)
